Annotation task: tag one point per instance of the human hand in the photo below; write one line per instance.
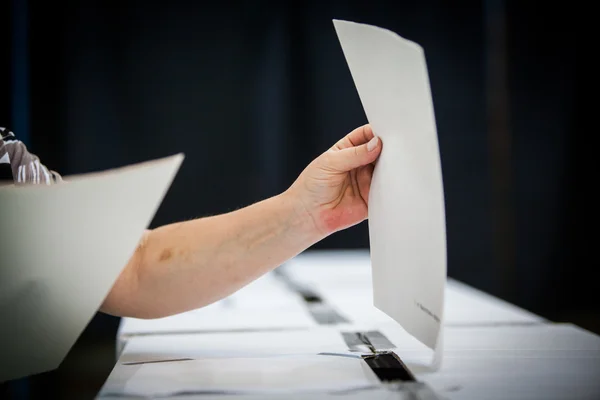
(334, 189)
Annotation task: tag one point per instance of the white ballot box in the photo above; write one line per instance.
(316, 361)
(343, 279)
(549, 361)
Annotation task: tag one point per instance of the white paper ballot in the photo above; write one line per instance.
(61, 249)
(406, 200)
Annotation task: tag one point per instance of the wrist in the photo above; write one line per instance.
(301, 218)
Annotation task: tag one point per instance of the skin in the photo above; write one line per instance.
(188, 265)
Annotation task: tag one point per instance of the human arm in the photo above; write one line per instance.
(187, 265)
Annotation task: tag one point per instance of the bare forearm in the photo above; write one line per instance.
(187, 265)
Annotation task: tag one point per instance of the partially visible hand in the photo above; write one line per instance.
(334, 188)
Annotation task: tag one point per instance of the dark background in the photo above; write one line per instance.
(252, 91)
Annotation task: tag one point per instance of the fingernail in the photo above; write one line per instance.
(372, 143)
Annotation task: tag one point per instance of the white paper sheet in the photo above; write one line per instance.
(62, 248)
(406, 201)
(291, 374)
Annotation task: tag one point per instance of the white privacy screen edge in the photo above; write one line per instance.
(406, 201)
(63, 247)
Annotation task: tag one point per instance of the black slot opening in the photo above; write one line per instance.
(311, 297)
(389, 368)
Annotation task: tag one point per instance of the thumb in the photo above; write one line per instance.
(353, 157)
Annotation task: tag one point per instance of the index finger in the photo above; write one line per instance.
(360, 135)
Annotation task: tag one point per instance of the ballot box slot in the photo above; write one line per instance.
(372, 341)
(385, 364)
(322, 312)
(389, 367)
